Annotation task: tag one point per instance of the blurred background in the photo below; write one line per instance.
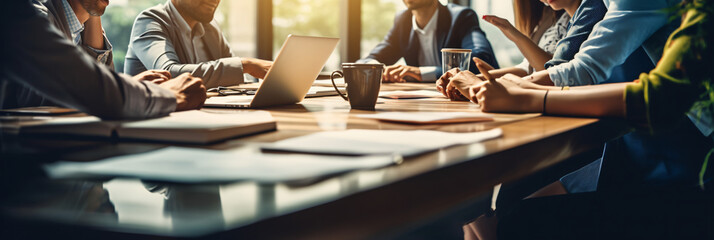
(240, 22)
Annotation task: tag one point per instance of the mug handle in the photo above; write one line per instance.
(332, 79)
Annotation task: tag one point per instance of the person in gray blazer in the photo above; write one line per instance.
(180, 36)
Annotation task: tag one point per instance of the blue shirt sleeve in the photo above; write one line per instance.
(625, 27)
(589, 13)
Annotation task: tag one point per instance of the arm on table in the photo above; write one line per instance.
(155, 50)
(611, 42)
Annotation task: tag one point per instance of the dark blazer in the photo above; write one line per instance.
(457, 27)
(17, 95)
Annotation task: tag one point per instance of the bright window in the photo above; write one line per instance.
(506, 51)
(306, 17)
(118, 20)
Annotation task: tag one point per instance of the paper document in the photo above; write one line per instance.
(365, 142)
(201, 119)
(411, 94)
(429, 117)
(177, 164)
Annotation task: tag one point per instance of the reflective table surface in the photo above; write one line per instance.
(357, 204)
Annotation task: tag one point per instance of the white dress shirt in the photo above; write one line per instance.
(195, 45)
(428, 60)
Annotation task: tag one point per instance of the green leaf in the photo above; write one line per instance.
(703, 171)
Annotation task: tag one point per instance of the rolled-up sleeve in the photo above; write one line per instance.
(430, 73)
(153, 47)
(103, 56)
(625, 27)
(43, 60)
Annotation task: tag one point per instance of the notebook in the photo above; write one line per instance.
(183, 127)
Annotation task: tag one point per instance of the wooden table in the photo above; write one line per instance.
(359, 204)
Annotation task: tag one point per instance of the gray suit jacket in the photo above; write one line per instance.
(157, 43)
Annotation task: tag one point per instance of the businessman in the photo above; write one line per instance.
(418, 35)
(180, 36)
(78, 21)
(44, 60)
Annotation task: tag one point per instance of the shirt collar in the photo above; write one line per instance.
(75, 27)
(430, 26)
(183, 25)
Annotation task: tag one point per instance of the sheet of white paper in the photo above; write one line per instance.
(411, 94)
(426, 116)
(202, 119)
(177, 164)
(365, 142)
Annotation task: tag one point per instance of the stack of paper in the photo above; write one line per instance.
(176, 164)
(366, 142)
(429, 117)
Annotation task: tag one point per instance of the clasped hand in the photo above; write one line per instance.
(400, 73)
(190, 91)
(505, 94)
(455, 84)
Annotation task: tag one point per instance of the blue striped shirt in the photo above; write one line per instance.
(75, 27)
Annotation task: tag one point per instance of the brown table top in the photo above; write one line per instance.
(357, 204)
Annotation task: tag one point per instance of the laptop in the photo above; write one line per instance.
(298, 64)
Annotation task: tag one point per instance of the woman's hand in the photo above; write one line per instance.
(503, 95)
(461, 83)
(505, 26)
(445, 81)
(522, 82)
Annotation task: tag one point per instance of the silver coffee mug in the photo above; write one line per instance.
(362, 82)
